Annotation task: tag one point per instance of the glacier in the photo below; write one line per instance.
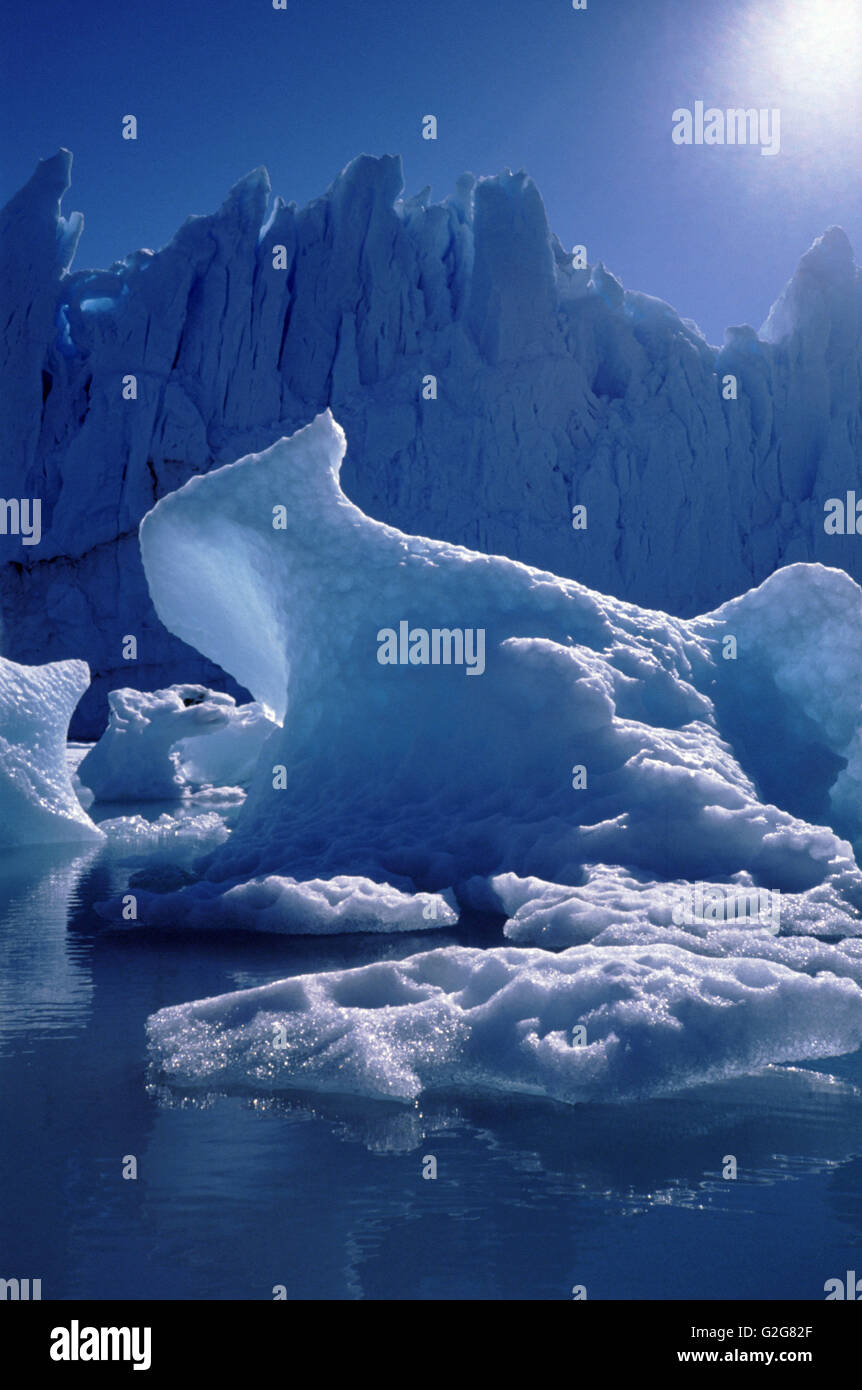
(605, 759)
(555, 387)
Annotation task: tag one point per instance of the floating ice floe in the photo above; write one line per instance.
(38, 804)
(320, 907)
(160, 745)
(615, 905)
(592, 1023)
(137, 834)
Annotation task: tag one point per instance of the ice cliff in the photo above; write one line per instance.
(555, 388)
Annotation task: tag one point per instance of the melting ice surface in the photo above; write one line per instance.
(723, 748)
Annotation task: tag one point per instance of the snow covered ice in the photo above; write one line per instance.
(655, 1018)
(154, 750)
(276, 903)
(605, 758)
(228, 755)
(554, 387)
(421, 776)
(38, 804)
(580, 766)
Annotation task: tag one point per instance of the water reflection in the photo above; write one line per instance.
(45, 984)
(325, 1195)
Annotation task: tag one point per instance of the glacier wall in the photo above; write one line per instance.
(555, 388)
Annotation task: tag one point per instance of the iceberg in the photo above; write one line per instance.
(597, 779)
(486, 384)
(597, 732)
(38, 804)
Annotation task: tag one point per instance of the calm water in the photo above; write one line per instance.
(235, 1195)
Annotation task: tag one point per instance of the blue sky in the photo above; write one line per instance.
(582, 100)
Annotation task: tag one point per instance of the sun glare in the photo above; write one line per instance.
(802, 60)
(808, 52)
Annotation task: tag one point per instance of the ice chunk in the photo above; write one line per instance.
(136, 834)
(152, 749)
(320, 907)
(228, 755)
(593, 1023)
(576, 770)
(617, 906)
(38, 804)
